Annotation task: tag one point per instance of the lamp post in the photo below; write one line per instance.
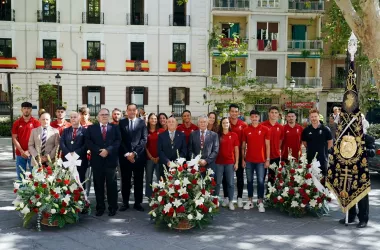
(292, 86)
(58, 81)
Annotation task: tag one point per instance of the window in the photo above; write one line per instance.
(49, 49)
(228, 70)
(137, 51)
(93, 50)
(179, 52)
(137, 95)
(137, 13)
(94, 97)
(6, 11)
(228, 30)
(49, 13)
(266, 71)
(93, 11)
(267, 31)
(179, 14)
(298, 69)
(6, 47)
(179, 98)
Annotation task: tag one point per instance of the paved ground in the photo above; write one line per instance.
(230, 229)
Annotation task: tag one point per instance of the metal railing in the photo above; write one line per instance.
(231, 5)
(267, 79)
(8, 15)
(306, 6)
(95, 18)
(268, 3)
(178, 109)
(137, 19)
(308, 82)
(179, 20)
(4, 108)
(297, 45)
(94, 109)
(229, 81)
(338, 82)
(41, 17)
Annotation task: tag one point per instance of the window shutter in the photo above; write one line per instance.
(187, 96)
(84, 95)
(146, 93)
(102, 95)
(127, 95)
(170, 96)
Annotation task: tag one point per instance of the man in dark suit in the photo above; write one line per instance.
(73, 141)
(205, 142)
(132, 157)
(103, 140)
(169, 143)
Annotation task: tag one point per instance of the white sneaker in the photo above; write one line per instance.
(231, 206)
(248, 205)
(225, 202)
(261, 207)
(240, 202)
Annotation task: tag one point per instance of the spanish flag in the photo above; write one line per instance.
(8, 63)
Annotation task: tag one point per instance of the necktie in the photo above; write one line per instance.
(75, 133)
(104, 132)
(130, 126)
(202, 138)
(43, 141)
(171, 135)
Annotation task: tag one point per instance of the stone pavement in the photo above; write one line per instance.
(230, 229)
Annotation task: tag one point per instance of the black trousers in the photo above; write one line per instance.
(127, 168)
(363, 206)
(105, 175)
(82, 173)
(239, 181)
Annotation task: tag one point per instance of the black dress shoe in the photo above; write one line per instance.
(138, 207)
(362, 224)
(112, 212)
(350, 221)
(99, 213)
(124, 207)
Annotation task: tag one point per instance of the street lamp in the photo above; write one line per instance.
(292, 86)
(58, 81)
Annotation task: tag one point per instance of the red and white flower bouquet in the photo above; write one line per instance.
(185, 197)
(53, 193)
(297, 188)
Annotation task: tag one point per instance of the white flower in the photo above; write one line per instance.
(177, 203)
(298, 179)
(159, 198)
(180, 161)
(302, 205)
(57, 190)
(177, 182)
(59, 162)
(16, 185)
(80, 202)
(210, 210)
(182, 191)
(307, 191)
(284, 193)
(199, 216)
(313, 203)
(154, 214)
(170, 225)
(171, 191)
(25, 181)
(210, 171)
(199, 201)
(196, 168)
(17, 201)
(299, 170)
(39, 177)
(190, 217)
(207, 194)
(25, 210)
(64, 188)
(272, 189)
(38, 204)
(47, 198)
(53, 211)
(21, 204)
(185, 182)
(154, 185)
(167, 207)
(309, 182)
(67, 199)
(294, 204)
(297, 195)
(73, 187)
(320, 205)
(161, 184)
(279, 197)
(51, 178)
(27, 175)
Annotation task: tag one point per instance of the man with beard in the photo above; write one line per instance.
(292, 137)
(60, 123)
(116, 116)
(21, 131)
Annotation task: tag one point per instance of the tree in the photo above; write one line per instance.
(363, 17)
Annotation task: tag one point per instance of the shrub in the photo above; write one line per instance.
(5, 126)
(374, 130)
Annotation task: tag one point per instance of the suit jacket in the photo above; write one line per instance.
(135, 141)
(167, 151)
(95, 142)
(210, 148)
(52, 142)
(79, 145)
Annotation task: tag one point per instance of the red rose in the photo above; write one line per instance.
(30, 176)
(171, 199)
(62, 211)
(296, 160)
(202, 169)
(308, 176)
(279, 175)
(46, 215)
(64, 204)
(304, 201)
(329, 199)
(37, 196)
(175, 194)
(36, 184)
(292, 171)
(185, 165)
(44, 185)
(279, 187)
(30, 202)
(282, 163)
(68, 192)
(162, 202)
(215, 201)
(279, 169)
(315, 190)
(171, 212)
(163, 212)
(171, 185)
(155, 190)
(299, 166)
(305, 185)
(185, 196)
(80, 189)
(153, 195)
(56, 196)
(35, 210)
(302, 191)
(308, 165)
(189, 186)
(291, 184)
(66, 182)
(177, 187)
(180, 169)
(58, 180)
(194, 181)
(193, 171)
(162, 193)
(180, 209)
(155, 206)
(274, 200)
(77, 210)
(170, 177)
(282, 200)
(205, 209)
(319, 200)
(213, 183)
(292, 178)
(203, 191)
(76, 197)
(76, 191)
(15, 190)
(52, 192)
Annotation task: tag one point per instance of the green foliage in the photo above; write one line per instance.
(47, 95)
(27, 218)
(180, 2)
(305, 53)
(5, 127)
(374, 130)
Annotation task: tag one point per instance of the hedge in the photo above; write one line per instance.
(374, 130)
(5, 128)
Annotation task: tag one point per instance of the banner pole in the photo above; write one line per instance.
(346, 219)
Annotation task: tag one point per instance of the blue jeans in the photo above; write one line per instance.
(228, 170)
(150, 167)
(22, 162)
(260, 176)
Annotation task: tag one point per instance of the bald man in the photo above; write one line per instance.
(169, 143)
(73, 141)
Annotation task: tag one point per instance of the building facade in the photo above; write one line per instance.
(108, 52)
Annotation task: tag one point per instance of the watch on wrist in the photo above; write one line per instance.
(268, 159)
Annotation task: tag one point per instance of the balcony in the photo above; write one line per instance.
(228, 81)
(95, 18)
(308, 82)
(338, 82)
(179, 20)
(231, 5)
(179, 67)
(267, 45)
(137, 19)
(137, 65)
(178, 109)
(299, 45)
(306, 6)
(8, 15)
(93, 65)
(267, 79)
(8, 63)
(41, 17)
(49, 64)
(268, 4)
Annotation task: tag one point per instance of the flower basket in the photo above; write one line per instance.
(45, 222)
(183, 199)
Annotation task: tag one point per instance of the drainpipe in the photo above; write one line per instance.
(26, 51)
(74, 51)
(158, 60)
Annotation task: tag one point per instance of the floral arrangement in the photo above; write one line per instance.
(184, 196)
(53, 193)
(297, 188)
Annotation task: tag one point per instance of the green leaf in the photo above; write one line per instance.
(27, 218)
